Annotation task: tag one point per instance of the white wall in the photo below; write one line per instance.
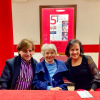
(26, 20)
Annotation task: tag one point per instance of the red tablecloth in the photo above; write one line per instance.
(44, 95)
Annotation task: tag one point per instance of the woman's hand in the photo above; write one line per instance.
(55, 88)
(91, 90)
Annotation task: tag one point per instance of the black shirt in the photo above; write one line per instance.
(81, 74)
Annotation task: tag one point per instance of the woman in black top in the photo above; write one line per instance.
(82, 69)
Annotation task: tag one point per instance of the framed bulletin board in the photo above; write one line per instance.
(57, 25)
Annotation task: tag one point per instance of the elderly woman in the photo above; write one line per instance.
(50, 72)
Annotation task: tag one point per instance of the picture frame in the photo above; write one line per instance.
(57, 25)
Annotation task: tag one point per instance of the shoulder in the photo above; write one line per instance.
(60, 63)
(35, 62)
(42, 62)
(40, 67)
(12, 60)
(67, 61)
(9, 64)
(39, 64)
(87, 57)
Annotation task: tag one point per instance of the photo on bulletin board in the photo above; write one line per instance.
(57, 25)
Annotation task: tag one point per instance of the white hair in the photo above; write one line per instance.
(48, 46)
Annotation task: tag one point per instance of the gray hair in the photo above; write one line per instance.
(48, 46)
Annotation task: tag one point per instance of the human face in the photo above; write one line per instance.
(49, 55)
(26, 54)
(65, 33)
(74, 51)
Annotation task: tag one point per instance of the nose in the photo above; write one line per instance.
(49, 54)
(28, 52)
(74, 51)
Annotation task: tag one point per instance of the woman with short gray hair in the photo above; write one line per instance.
(48, 46)
(50, 72)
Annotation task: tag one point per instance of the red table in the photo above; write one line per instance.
(44, 95)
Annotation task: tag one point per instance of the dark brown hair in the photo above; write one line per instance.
(70, 44)
(24, 44)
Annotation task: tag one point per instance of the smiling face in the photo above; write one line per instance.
(74, 51)
(26, 54)
(49, 55)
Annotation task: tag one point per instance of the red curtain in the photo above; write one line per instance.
(6, 33)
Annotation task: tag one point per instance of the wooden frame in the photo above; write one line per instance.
(56, 6)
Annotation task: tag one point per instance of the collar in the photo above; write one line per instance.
(25, 62)
(60, 66)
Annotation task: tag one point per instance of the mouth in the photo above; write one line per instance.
(27, 56)
(74, 55)
(50, 58)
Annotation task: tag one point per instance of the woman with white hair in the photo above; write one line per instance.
(50, 72)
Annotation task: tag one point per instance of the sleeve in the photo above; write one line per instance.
(67, 73)
(39, 82)
(48, 87)
(68, 77)
(94, 72)
(5, 80)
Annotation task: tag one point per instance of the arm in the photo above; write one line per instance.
(68, 77)
(5, 80)
(94, 72)
(39, 81)
(42, 79)
(94, 86)
(67, 73)
(41, 84)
